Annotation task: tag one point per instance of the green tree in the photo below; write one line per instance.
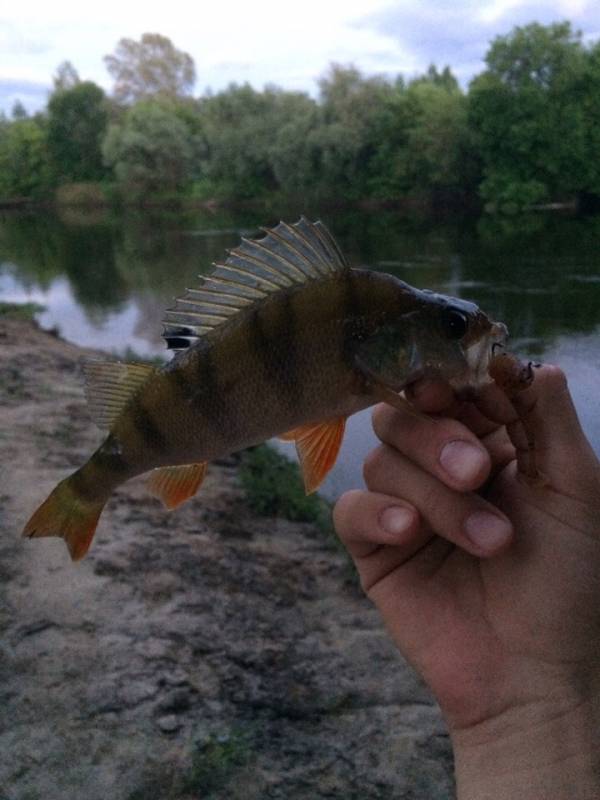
(150, 68)
(250, 138)
(19, 111)
(528, 115)
(24, 166)
(77, 121)
(591, 114)
(348, 137)
(150, 151)
(438, 153)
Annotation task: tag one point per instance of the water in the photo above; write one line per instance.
(105, 281)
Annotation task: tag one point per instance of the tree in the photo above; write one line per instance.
(438, 152)
(150, 68)
(150, 151)
(19, 111)
(248, 149)
(347, 138)
(527, 112)
(24, 168)
(65, 77)
(77, 121)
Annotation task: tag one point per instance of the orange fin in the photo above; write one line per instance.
(66, 515)
(317, 447)
(175, 485)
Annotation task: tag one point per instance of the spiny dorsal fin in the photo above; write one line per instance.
(109, 385)
(287, 255)
(175, 485)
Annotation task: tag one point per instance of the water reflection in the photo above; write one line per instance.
(541, 275)
(105, 279)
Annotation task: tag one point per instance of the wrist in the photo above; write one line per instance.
(548, 750)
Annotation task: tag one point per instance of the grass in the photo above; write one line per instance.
(20, 310)
(274, 488)
(215, 761)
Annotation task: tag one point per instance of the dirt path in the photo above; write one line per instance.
(204, 653)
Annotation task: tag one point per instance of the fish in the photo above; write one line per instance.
(284, 339)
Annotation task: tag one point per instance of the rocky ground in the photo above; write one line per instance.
(206, 653)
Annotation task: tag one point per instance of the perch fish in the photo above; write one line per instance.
(282, 339)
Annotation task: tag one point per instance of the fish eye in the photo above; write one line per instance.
(454, 323)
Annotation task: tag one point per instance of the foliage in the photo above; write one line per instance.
(20, 310)
(24, 164)
(216, 760)
(348, 135)
(274, 488)
(19, 111)
(77, 121)
(527, 131)
(527, 111)
(149, 151)
(247, 138)
(152, 67)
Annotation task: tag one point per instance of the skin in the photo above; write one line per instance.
(500, 615)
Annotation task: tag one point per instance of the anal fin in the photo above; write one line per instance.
(175, 485)
(317, 447)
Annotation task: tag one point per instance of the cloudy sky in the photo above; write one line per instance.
(265, 41)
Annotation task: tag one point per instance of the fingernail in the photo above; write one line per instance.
(462, 461)
(487, 531)
(395, 520)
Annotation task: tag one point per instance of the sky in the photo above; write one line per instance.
(265, 41)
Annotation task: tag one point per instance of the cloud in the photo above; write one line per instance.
(14, 42)
(458, 32)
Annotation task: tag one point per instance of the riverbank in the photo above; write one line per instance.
(209, 652)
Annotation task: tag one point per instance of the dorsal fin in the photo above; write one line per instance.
(286, 256)
(109, 385)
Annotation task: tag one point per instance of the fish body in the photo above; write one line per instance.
(283, 339)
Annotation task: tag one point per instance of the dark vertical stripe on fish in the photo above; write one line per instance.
(210, 398)
(146, 427)
(273, 330)
(181, 382)
(351, 330)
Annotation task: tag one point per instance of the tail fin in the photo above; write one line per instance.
(64, 513)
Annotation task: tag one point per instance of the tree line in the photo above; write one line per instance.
(525, 132)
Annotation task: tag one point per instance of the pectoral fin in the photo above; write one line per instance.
(175, 485)
(317, 447)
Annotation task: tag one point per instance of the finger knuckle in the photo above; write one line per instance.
(384, 419)
(372, 465)
(344, 511)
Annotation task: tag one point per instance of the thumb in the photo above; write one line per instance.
(563, 454)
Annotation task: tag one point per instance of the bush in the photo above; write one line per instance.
(274, 488)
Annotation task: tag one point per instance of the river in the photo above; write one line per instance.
(104, 280)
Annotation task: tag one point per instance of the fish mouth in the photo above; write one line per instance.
(478, 355)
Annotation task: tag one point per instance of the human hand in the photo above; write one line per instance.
(490, 585)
